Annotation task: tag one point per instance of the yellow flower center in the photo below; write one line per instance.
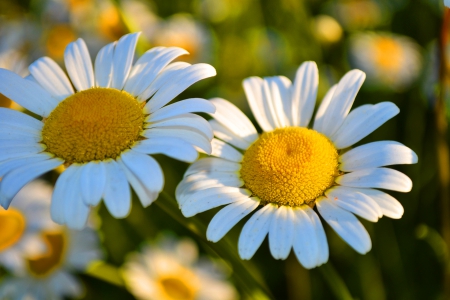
(43, 265)
(94, 124)
(388, 53)
(177, 288)
(12, 224)
(290, 166)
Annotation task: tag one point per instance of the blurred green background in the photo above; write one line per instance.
(242, 38)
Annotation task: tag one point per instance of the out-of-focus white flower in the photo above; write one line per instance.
(327, 29)
(447, 3)
(171, 270)
(39, 253)
(358, 14)
(389, 60)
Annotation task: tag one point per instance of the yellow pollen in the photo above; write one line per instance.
(290, 166)
(94, 124)
(388, 53)
(43, 265)
(178, 288)
(12, 224)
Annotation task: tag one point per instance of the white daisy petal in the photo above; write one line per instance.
(182, 107)
(104, 66)
(26, 93)
(147, 176)
(355, 202)
(255, 230)
(281, 92)
(193, 137)
(195, 205)
(60, 194)
(21, 120)
(92, 182)
(276, 104)
(123, 59)
(306, 243)
(341, 102)
(212, 192)
(320, 114)
(225, 151)
(382, 178)
(149, 66)
(51, 77)
(346, 225)
(7, 166)
(234, 119)
(186, 120)
(165, 76)
(390, 207)
(79, 65)
(13, 152)
(304, 93)
(76, 211)
(359, 124)
(212, 164)
(225, 134)
(376, 154)
(117, 195)
(322, 254)
(171, 146)
(181, 80)
(13, 181)
(281, 232)
(228, 217)
(254, 92)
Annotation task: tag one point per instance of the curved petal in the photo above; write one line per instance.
(61, 194)
(390, 207)
(228, 217)
(181, 80)
(234, 119)
(253, 87)
(13, 152)
(13, 181)
(104, 66)
(7, 166)
(51, 77)
(186, 120)
(182, 107)
(376, 154)
(92, 182)
(341, 102)
(255, 230)
(79, 65)
(148, 66)
(322, 255)
(195, 138)
(147, 176)
(185, 198)
(171, 146)
(346, 225)
(358, 124)
(76, 212)
(382, 178)
(281, 232)
(123, 59)
(306, 243)
(117, 195)
(225, 134)
(212, 164)
(17, 118)
(319, 118)
(225, 151)
(26, 93)
(280, 88)
(304, 93)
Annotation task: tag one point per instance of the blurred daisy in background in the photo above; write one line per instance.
(171, 270)
(390, 61)
(327, 30)
(102, 132)
(40, 254)
(290, 168)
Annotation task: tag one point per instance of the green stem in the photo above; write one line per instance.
(335, 282)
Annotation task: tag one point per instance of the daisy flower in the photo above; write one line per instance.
(39, 253)
(289, 169)
(389, 60)
(102, 132)
(171, 270)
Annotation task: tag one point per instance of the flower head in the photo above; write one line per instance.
(171, 270)
(103, 131)
(291, 168)
(39, 254)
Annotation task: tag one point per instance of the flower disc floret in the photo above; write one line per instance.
(290, 166)
(94, 124)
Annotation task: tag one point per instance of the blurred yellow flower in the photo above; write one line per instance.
(327, 29)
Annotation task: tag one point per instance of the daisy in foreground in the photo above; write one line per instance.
(290, 168)
(45, 270)
(102, 132)
(171, 270)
